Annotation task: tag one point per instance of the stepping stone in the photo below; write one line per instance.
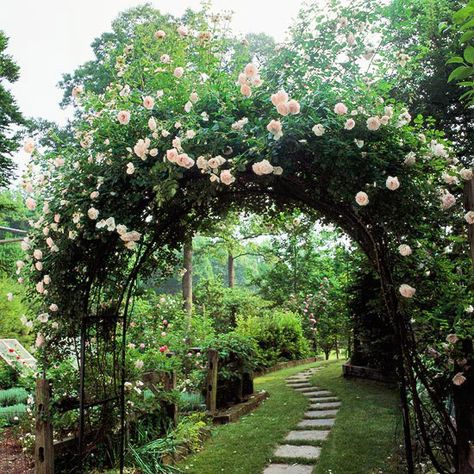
(307, 435)
(305, 390)
(324, 399)
(320, 413)
(316, 423)
(320, 393)
(288, 469)
(297, 452)
(299, 384)
(325, 406)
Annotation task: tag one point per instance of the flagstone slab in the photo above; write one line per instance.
(310, 389)
(289, 451)
(325, 405)
(307, 435)
(314, 423)
(288, 469)
(320, 413)
(316, 393)
(324, 399)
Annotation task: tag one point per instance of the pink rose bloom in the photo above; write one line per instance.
(318, 130)
(385, 119)
(141, 148)
(350, 124)
(242, 79)
(373, 123)
(178, 72)
(160, 34)
(123, 117)
(262, 167)
(148, 102)
(39, 340)
(405, 250)
(226, 177)
(447, 200)
(245, 90)
(407, 291)
(279, 98)
(351, 39)
(30, 204)
(452, 338)
(251, 70)
(340, 109)
(29, 145)
(152, 124)
(283, 109)
(185, 161)
(362, 199)
(172, 155)
(466, 174)
(459, 379)
(469, 217)
(275, 128)
(392, 183)
(294, 107)
(182, 30)
(193, 97)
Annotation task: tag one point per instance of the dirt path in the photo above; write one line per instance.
(12, 458)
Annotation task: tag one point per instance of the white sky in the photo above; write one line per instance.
(50, 37)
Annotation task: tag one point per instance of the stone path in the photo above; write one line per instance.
(301, 448)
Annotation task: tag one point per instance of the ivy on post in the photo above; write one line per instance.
(211, 381)
(44, 451)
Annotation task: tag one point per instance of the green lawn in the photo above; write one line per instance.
(360, 442)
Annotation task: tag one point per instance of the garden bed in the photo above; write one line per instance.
(349, 370)
(285, 365)
(236, 411)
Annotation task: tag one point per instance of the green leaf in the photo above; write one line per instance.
(469, 54)
(463, 14)
(467, 36)
(455, 60)
(467, 25)
(460, 73)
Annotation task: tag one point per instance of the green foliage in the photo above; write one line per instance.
(10, 414)
(13, 396)
(224, 305)
(8, 375)
(278, 335)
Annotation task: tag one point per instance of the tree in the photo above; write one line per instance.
(10, 115)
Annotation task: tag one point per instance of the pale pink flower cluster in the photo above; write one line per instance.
(392, 183)
(275, 128)
(466, 174)
(469, 217)
(283, 105)
(248, 78)
(340, 109)
(123, 117)
(178, 72)
(141, 148)
(239, 124)
(350, 124)
(318, 130)
(447, 200)
(181, 159)
(226, 177)
(262, 167)
(362, 198)
(148, 102)
(160, 34)
(405, 250)
(29, 145)
(407, 291)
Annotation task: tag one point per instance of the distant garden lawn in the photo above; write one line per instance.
(361, 441)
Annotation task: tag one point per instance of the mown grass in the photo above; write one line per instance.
(360, 442)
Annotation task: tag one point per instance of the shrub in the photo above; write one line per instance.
(9, 413)
(278, 334)
(13, 396)
(8, 375)
(224, 305)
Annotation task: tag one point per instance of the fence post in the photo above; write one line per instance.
(170, 384)
(44, 453)
(211, 382)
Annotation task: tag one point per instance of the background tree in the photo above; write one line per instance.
(10, 115)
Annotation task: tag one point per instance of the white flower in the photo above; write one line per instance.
(152, 124)
(407, 291)
(130, 168)
(121, 229)
(139, 364)
(30, 203)
(318, 130)
(53, 307)
(362, 199)
(350, 124)
(373, 123)
(405, 250)
(188, 106)
(93, 213)
(459, 379)
(438, 149)
(226, 177)
(449, 179)
(94, 195)
(123, 117)
(469, 309)
(410, 159)
(392, 183)
(38, 254)
(469, 217)
(447, 200)
(190, 134)
(29, 145)
(262, 167)
(43, 317)
(359, 143)
(10, 296)
(132, 236)
(466, 174)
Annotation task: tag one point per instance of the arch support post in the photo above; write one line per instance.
(44, 451)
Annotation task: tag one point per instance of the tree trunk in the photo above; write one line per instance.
(231, 270)
(187, 281)
(463, 395)
(337, 349)
(326, 354)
